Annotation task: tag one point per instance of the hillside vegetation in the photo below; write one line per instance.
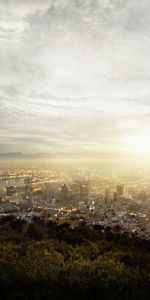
(50, 261)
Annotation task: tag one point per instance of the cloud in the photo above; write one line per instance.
(14, 17)
(74, 74)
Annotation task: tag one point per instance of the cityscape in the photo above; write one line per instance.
(79, 195)
(74, 150)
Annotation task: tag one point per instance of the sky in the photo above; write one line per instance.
(74, 76)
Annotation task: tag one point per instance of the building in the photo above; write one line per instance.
(107, 196)
(122, 190)
(10, 190)
(115, 197)
(83, 191)
(64, 194)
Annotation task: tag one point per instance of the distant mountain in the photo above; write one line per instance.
(11, 155)
(20, 155)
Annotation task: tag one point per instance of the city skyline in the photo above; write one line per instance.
(75, 77)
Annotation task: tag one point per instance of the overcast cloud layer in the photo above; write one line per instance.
(74, 74)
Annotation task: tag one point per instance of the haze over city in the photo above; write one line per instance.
(74, 78)
(74, 149)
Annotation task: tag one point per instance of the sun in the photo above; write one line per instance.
(139, 143)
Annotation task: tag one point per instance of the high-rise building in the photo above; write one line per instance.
(64, 193)
(107, 196)
(83, 191)
(115, 197)
(143, 196)
(122, 189)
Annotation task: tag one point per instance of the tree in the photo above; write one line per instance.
(36, 231)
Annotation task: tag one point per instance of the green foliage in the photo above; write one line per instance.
(46, 261)
(35, 231)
